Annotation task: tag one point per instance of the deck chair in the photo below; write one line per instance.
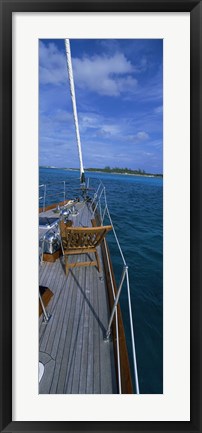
(63, 225)
(82, 240)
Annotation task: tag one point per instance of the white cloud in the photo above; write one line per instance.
(90, 120)
(109, 130)
(140, 137)
(52, 65)
(158, 110)
(105, 75)
(148, 153)
(99, 124)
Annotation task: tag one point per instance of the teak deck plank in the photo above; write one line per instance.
(62, 338)
(50, 282)
(67, 344)
(84, 353)
(90, 348)
(77, 359)
(96, 352)
(78, 314)
(80, 361)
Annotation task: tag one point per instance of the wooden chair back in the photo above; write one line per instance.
(63, 225)
(74, 238)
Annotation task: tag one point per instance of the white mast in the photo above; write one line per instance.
(72, 91)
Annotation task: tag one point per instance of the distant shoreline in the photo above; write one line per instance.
(106, 172)
(125, 174)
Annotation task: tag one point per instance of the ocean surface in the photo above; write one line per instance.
(136, 208)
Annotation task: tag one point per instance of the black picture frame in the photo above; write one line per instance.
(6, 9)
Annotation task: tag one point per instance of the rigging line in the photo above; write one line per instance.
(115, 235)
(72, 91)
(132, 336)
(116, 318)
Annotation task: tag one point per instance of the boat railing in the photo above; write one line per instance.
(99, 207)
(99, 202)
(45, 193)
(48, 192)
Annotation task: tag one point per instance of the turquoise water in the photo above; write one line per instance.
(136, 207)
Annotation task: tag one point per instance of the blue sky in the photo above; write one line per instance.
(119, 94)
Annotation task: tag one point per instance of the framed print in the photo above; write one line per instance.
(100, 227)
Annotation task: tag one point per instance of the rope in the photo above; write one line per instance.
(116, 316)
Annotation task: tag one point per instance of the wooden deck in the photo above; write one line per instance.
(71, 345)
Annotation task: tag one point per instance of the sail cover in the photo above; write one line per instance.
(72, 91)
